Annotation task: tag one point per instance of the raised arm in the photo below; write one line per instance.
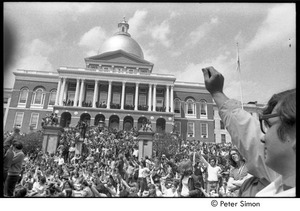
(243, 128)
(204, 161)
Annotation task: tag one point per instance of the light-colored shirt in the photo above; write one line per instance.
(212, 173)
(143, 172)
(275, 189)
(61, 161)
(185, 188)
(135, 152)
(37, 187)
(246, 134)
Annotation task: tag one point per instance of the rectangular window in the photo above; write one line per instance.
(34, 120)
(72, 86)
(71, 95)
(18, 119)
(116, 98)
(143, 90)
(190, 129)
(103, 97)
(178, 127)
(222, 125)
(142, 99)
(204, 129)
(159, 101)
(223, 138)
(71, 91)
(159, 91)
(89, 94)
(52, 98)
(129, 99)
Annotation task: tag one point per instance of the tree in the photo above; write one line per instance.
(165, 143)
(32, 141)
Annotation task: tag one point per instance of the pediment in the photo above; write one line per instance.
(118, 56)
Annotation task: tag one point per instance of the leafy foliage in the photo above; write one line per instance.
(165, 143)
(32, 141)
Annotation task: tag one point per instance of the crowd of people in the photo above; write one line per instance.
(107, 163)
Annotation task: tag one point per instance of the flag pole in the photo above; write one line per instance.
(239, 72)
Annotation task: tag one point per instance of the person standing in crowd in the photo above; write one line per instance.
(8, 156)
(144, 172)
(14, 170)
(238, 173)
(189, 184)
(268, 145)
(213, 174)
(16, 136)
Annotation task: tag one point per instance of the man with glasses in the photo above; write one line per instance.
(248, 134)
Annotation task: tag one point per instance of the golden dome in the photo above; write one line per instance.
(122, 41)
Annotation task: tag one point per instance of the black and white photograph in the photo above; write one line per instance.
(182, 103)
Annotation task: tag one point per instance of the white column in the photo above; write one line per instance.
(95, 94)
(149, 97)
(62, 91)
(81, 93)
(172, 99)
(154, 97)
(57, 98)
(6, 112)
(109, 94)
(66, 90)
(167, 99)
(76, 92)
(136, 97)
(123, 95)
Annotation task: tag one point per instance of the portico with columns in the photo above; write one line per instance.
(117, 87)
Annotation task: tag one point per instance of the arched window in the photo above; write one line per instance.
(203, 109)
(23, 96)
(190, 108)
(52, 97)
(177, 106)
(38, 97)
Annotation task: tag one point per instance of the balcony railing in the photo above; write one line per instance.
(114, 106)
(128, 107)
(143, 107)
(161, 109)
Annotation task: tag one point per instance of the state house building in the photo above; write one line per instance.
(117, 87)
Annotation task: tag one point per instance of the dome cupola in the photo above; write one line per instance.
(122, 41)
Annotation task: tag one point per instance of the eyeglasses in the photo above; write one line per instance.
(264, 123)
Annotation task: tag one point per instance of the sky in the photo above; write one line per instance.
(178, 38)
